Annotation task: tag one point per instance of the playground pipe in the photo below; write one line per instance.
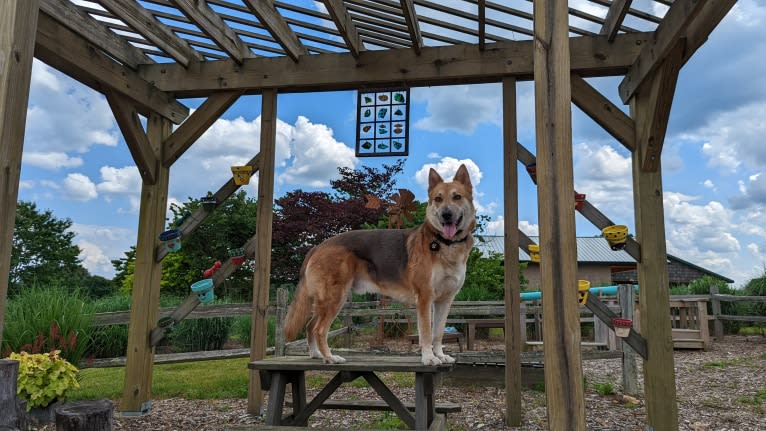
(534, 295)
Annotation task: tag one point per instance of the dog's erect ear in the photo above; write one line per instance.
(434, 179)
(462, 176)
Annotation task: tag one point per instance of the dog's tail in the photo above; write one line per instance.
(299, 311)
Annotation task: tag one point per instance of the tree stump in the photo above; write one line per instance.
(12, 411)
(89, 415)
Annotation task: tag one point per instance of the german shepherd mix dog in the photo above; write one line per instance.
(424, 266)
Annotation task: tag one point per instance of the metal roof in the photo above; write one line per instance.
(589, 250)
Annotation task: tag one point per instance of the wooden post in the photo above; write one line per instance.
(555, 191)
(262, 274)
(716, 304)
(703, 324)
(513, 344)
(522, 325)
(629, 369)
(654, 295)
(85, 415)
(12, 412)
(281, 312)
(18, 26)
(144, 309)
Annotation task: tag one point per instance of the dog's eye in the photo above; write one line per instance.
(438, 199)
(457, 197)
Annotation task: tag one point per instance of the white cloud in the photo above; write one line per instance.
(531, 229)
(51, 161)
(116, 181)
(459, 108)
(605, 177)
(709, 184)
(751, 194)
(100, 244)
(79, 187)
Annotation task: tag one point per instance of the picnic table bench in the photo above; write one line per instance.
(277, 372)
(472, 324)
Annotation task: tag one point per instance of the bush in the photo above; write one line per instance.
(702, 286)
(46, 319)
(44, 377)
(200, 334)
(243, 330)
(109, 341)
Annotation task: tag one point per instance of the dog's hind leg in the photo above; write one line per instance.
(311, 338)
(441, 310)
(324, 316)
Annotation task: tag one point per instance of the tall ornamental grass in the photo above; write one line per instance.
(42, 319)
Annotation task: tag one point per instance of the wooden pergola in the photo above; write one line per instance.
(145, 55)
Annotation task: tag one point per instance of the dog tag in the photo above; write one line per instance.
(435, 245)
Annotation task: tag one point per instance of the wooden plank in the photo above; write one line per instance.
(634, 339)
(614, 18)
(442, 65)
(263, 251)
(396, 405)
(18, 19)
(629, 368)
(378, 405)
(127, 119)
(190, 303)
(482, 23)
(411, 18)
(95, 32)
(760, 319)
(512, 295)
(72, 55)
(137, 391)
(345, 26)
(276, 25)
(555, 179)
(667, 35)
(659, 372)
(737, 298)
(197, 124)
(216, 29)
(143, 22)
(604, 112)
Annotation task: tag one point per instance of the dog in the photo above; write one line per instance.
(424, 266)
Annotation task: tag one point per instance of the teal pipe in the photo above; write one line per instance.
(534, 295)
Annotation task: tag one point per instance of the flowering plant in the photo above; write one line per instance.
(44, 377)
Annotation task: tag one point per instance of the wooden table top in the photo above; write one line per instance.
(353, 363)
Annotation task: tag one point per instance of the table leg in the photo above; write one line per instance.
(298, 384)
(276, 398)
(471, 336)
(424, 400)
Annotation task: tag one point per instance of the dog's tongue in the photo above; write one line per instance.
(449, 230)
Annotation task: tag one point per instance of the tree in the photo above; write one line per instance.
(42, 251)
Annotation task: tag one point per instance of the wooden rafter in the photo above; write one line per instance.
(213, 26)
(69, 15)
(345, 25)
(482, 24)
(71, 54)
(135, 137)
(147, 25)
(672, 28)
(411, 18)
(197, 123)
(275, 24)
(614, 17)
(458, 64)
(604, 112)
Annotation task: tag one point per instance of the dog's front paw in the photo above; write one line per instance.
(430, 360)
(334, 359)
(446, 359)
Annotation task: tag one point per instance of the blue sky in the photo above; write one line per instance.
(76, 164)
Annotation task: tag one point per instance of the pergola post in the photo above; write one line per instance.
(18, 26)
(513, 326)
(144, 309)
(261, 278)
(558, 250)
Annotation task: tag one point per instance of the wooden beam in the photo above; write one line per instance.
(513, 345)
(604, 112)
(411, 18)
(276, 25)
(95, 32)
(659, 96)
(147, 25)
(263, 251)
(137, 391)
(18, 19)
(197, 124)
(558, 249)
(68, 52)
(345, 26)
(614, 18)
(659, 375)
(216, 29)
(482, 24)
(135, 137)
(442, 65)
(673, 27)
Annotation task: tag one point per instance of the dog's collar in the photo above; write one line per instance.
(435, 246)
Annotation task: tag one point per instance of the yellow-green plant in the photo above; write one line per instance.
(44, 377)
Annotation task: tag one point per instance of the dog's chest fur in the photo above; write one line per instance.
(448, 271)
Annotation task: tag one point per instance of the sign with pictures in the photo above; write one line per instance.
(382, 126)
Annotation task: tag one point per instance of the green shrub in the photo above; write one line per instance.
(45, 319)
(193, 335)
(112, 340)
(243, 327)
(44, 377)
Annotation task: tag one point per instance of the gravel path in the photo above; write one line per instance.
(721, 389)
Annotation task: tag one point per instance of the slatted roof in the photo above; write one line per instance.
(208, 30)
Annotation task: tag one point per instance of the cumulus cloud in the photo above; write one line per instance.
(459, 108)
(116, 181)
(751, 194)
(604, 175)
(51, 161)
(99, 244)
(79, 187)
(734, 138)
